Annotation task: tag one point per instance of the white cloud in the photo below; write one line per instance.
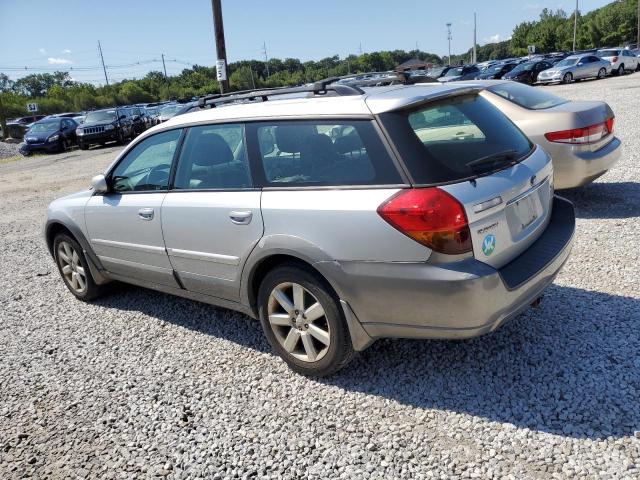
(494, 38)
(58, 61)
(66, 51)
(42, 51)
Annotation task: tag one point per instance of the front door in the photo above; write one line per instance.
(124, 225)
(211, 218)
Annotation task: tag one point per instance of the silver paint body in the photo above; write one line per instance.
(579, 71)
(206, 245)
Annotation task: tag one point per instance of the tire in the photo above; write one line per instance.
(120, 140)
(602, 73)
(620, 70)
(73, 268)
(568, 78)
(83, 146)
(315, 347)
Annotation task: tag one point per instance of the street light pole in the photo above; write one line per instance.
(449, 39)
(575, 26)
(475, 58)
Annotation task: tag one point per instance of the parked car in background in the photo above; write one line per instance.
(50, 135)
(456, 74)
(102, 126)
(153, 113)
(79, 119)
(621, 60)
(495, 71)
(138, 118)
(527, 72)
(438, 72)
(575, 67)
(169, 111)
(263, 207)
(16, 127)
(577, 135)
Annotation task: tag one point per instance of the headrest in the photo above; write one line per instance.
(348, 143)
(291, 138)
(210, 149)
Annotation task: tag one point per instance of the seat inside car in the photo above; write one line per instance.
(210, 164)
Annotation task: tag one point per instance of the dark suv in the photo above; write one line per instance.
(102, 126)
(139, 118)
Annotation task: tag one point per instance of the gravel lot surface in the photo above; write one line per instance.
(140, 384)
(8, 149)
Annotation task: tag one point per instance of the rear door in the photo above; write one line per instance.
(124, 224)
(211, 217)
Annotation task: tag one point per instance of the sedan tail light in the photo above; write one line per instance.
(584, 135)
(614, 59)
(429, 216)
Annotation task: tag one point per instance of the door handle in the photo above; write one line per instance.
(146, 213)
(241, 217)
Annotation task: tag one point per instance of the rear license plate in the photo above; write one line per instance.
(526, 211)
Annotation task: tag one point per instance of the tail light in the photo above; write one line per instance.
(429, 216)
(584, 135)
(614, 59)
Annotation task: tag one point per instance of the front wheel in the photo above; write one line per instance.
(83, 146)
(568, 78)
(602, 73)
(303, 321)
(74, 269)
(621, 70)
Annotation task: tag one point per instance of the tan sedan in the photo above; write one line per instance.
(577, 135)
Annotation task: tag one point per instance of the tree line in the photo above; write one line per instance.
(611, 25)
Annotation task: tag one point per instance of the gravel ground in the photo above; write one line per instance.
(140, 384)
(8, 149)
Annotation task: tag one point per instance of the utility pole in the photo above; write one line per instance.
(221, 63)
(106, 79)
(164, 67)
(360, 48)
(266, 58)
(475, 58)
(575, 26)
(449, 38)
(638, 39)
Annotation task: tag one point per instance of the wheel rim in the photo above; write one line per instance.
(567, 78)
(72, 270)
(299, 322)
(601, 73)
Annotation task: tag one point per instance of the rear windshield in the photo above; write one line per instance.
(455, 139)
(525, 96)
(609, 53)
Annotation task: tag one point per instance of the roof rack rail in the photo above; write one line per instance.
(321, 87)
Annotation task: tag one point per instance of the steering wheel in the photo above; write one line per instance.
(158, 176)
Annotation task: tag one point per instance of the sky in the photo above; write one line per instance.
(49, 35)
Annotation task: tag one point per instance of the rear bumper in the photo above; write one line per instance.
(574, 168)
(454, 301)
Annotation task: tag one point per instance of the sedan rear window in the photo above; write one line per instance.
(525, 96)
(608, 53)
(455, 139)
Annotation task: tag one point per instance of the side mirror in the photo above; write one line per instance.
(99, 184)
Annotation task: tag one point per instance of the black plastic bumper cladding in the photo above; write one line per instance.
(544, 250)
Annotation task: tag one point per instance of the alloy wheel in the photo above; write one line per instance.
(72, 270)
(298, 321)
(602, 73)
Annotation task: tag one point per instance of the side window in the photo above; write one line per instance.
(324, 153)
(213, 157)
(147, 165)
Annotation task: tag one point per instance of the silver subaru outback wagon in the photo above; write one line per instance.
(334, 214)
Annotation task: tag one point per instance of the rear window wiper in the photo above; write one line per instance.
(493, 158)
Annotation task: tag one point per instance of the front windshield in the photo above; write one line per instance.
(492, 69)
(567, 62)
(170, 109)
(523, 67)
(101, 116)
(49, 126)
(454, 72)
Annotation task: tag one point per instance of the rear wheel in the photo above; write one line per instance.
(602, 73)
(568, 78)
(120, 139)
(303, 321)
(74, 269)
